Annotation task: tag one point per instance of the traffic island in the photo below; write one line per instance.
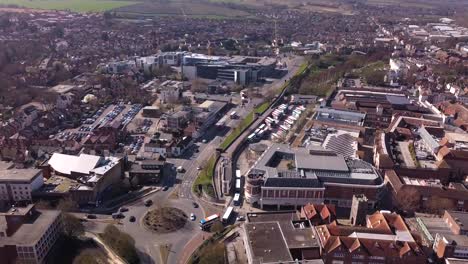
(165, 220)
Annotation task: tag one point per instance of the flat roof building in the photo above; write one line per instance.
(17, 185)
(27, 234)
(285, 176)
(280, 237)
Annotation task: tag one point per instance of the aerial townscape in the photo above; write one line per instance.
(233, 131)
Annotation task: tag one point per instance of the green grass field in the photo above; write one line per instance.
(73, 5)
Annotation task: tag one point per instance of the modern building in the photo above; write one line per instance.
(238, 69)
(28, 234)
(85, 178)
(285, 176)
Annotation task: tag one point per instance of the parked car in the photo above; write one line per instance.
(165, 188)
(195, 205)
(123, 209)
(118, 215)
(91, 216)
(192, 217)
(148, 203)
(132, 218)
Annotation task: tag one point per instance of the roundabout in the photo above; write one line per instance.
(165, 220)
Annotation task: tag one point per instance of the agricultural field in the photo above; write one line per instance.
(182, 8)
(72, 5)
(419, 3)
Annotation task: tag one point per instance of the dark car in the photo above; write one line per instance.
(195, 205)
(132, 219)
(165, 188)
(148, 203)
(91, 216)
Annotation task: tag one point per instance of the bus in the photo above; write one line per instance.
(238, 174)
(269, 120)
(233, 115)
(277, 112)
(289, 121)
(238, 184)
(206, 223)
(227, 215)
(236, 199)
(251, 137)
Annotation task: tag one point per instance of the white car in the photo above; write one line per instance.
(192, 217)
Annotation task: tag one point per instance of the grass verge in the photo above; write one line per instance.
(262, 108)
(205, 178)
(236, 132)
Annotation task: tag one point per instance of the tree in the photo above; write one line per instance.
(217, 227)
(58, 31)
(107, 15)
(72, 226)
(198, 86)
(214, 254)
(122, 243)
(67, 205)
(408, 198)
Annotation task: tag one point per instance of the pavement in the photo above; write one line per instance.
(112, 257)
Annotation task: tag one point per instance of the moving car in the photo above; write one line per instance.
(148, 203)
(240, 218)
(192, 217)
(165, 188)
(123, 209)
(195, 205)
(132, 219)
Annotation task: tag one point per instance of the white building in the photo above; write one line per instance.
(18, 184)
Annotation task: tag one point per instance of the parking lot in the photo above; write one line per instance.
(118, 116)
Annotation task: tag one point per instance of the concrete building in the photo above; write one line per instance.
(285, 176)
(280, 237)
(358, 210)
(17, 185)
(27, 234)
(147, 171)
